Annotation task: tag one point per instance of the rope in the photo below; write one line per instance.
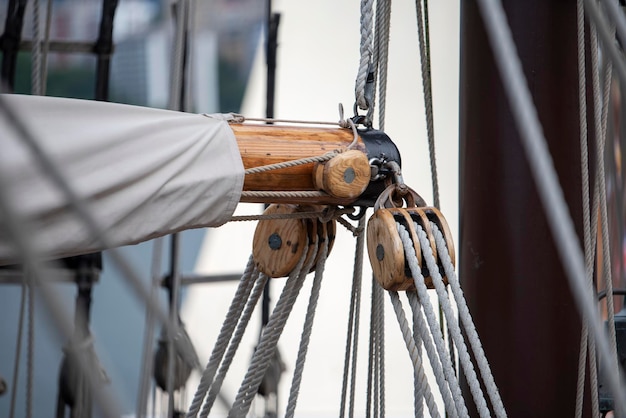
(306, 332)
(326, 215)
(291, 195)
(366, 49)
(466, 319)
(381, 349)
(271, 333)
(422, 20)
(45, 49)
(584, 160)
(36, 52)
(30, 349)
(438, 338)
(230, 321)
(293, 163)
(453, 403)
(420, 376)
(353, 322)
(601, 185)
(146, 366)
(234, 344)
(381, 55)
(178, 55)
(18, 349)
(543, 172)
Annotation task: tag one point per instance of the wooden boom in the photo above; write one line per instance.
(344, 179)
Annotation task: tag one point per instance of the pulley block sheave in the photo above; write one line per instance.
(385, 246)
(279, 244)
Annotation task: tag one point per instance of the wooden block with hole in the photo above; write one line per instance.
(345, 176)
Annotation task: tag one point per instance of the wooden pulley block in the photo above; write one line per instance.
(420, 217)
(434, 215)
(386, 250)
(345, 176)
(278, 244)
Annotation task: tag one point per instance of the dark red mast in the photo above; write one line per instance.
(515, 285)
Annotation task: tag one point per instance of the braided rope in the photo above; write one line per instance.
(464, 356)
(292, 163)
(422, 20)
(353, 322)
(306, 332)
(230, 321)
(466, 319)
(36, 51)
(30, 349)
(584, 160)
(18, 349)
(297, 194)
(435, 329)
(214, 391)
(271, 333)
(324, 215)
(454, 404)
(366, 50)
(420, 376)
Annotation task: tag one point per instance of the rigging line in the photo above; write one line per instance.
(18, 348)
(18, 231)
(350, 356)
(449, 388)
(383, 20)
(588, 249)
(35, 77)
(357, 273)
(420, 376)
(418, 396)
(30, 346)
(45, 48)
(176, 69)
(542, 168)
(464, 315)
(214, 391)
(77, 204)
(173, 290)
(428, 97)
(600, 138)
(431, 319)
(146, 364)
(366, 50)
(228, 326)
(306, 331)
(272, 332)
(381, 350)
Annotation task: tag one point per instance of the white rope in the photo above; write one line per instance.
(366, 50)
(420, 376)
(18, 348)
(30, 348)
(306, 332)
(545, 177)
(381, 59)
(380, 341)
(230, 321)
(234, 344)
(271, 333)
(431, 319)
(454, 403)
(467, 322)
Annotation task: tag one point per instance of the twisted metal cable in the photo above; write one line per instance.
(420, 376)
(228, 326)
(216, 386)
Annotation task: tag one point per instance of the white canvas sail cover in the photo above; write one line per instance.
(143, 172)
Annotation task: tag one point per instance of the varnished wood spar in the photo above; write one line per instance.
(261, 145)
